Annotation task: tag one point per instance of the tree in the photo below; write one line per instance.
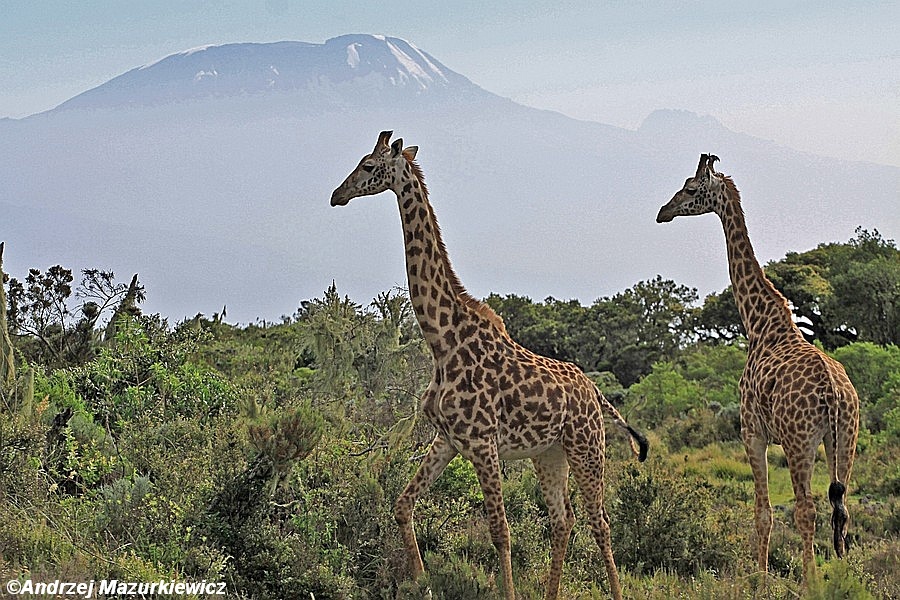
(718, 320)
(844, 292)
(552, 328)
(127, 305)
(624, 334)
(644, 324)
(865, 278)
(42, 310)
(374, 358)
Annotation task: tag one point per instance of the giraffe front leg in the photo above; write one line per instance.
(756, 447)
(486, 461)
(433, 464)
(553, 473)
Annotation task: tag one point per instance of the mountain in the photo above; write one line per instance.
(209, 173)
(338, 70)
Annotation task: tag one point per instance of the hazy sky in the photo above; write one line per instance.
(817, 76)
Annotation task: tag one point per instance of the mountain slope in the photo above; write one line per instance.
(220, 196)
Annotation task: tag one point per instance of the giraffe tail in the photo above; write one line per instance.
(839, 518)
(838, 489)
(638, 441)
(842, 443)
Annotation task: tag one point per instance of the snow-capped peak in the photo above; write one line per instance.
(373, 64)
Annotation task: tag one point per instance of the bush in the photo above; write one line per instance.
(664, 521)
(704, 426)
(664, 393)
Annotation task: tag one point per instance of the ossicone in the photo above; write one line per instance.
(384, 137)
(701, 166)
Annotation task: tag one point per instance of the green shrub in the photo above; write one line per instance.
(837, 580)
(665, 521)
(664, 393)
(703, 426)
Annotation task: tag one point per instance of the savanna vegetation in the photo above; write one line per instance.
(268, 456)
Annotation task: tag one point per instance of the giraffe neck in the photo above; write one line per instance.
(764, 311)
(433, 285)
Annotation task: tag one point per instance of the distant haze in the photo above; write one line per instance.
(208, 173)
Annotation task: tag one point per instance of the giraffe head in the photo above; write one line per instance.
(376, 172)
(702, 193)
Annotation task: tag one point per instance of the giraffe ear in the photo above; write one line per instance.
(396, 147)
(712, 162)
(410, 152)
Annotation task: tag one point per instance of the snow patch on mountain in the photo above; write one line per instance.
(353, 56)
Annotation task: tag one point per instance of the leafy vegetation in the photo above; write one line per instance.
(269, 456)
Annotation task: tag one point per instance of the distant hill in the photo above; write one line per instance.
(209, 174)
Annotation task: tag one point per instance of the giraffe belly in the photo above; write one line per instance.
(513, 444)
(517, 453)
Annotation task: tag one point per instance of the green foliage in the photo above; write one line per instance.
(369, 361)
(661, 521)
(455, 577)
(845, 292)
(460, 481)
(147, 371)
(838, 581)
(717, 369)
(283, 438)
(269, 456)
(665, 393)
(702, 427)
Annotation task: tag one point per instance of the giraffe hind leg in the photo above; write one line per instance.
(553, 474)
(800, 463)
(588, 468)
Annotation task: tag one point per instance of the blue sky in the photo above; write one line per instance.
(817, 76)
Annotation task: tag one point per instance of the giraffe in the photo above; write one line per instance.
(489, 398)
(792, 394)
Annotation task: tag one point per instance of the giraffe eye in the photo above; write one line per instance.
(368, 168)
(690, 191)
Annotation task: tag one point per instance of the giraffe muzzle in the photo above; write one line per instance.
(338, 198)
(665, 214)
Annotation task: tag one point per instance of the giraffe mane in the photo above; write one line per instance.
(465, 298)
(733, 192)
